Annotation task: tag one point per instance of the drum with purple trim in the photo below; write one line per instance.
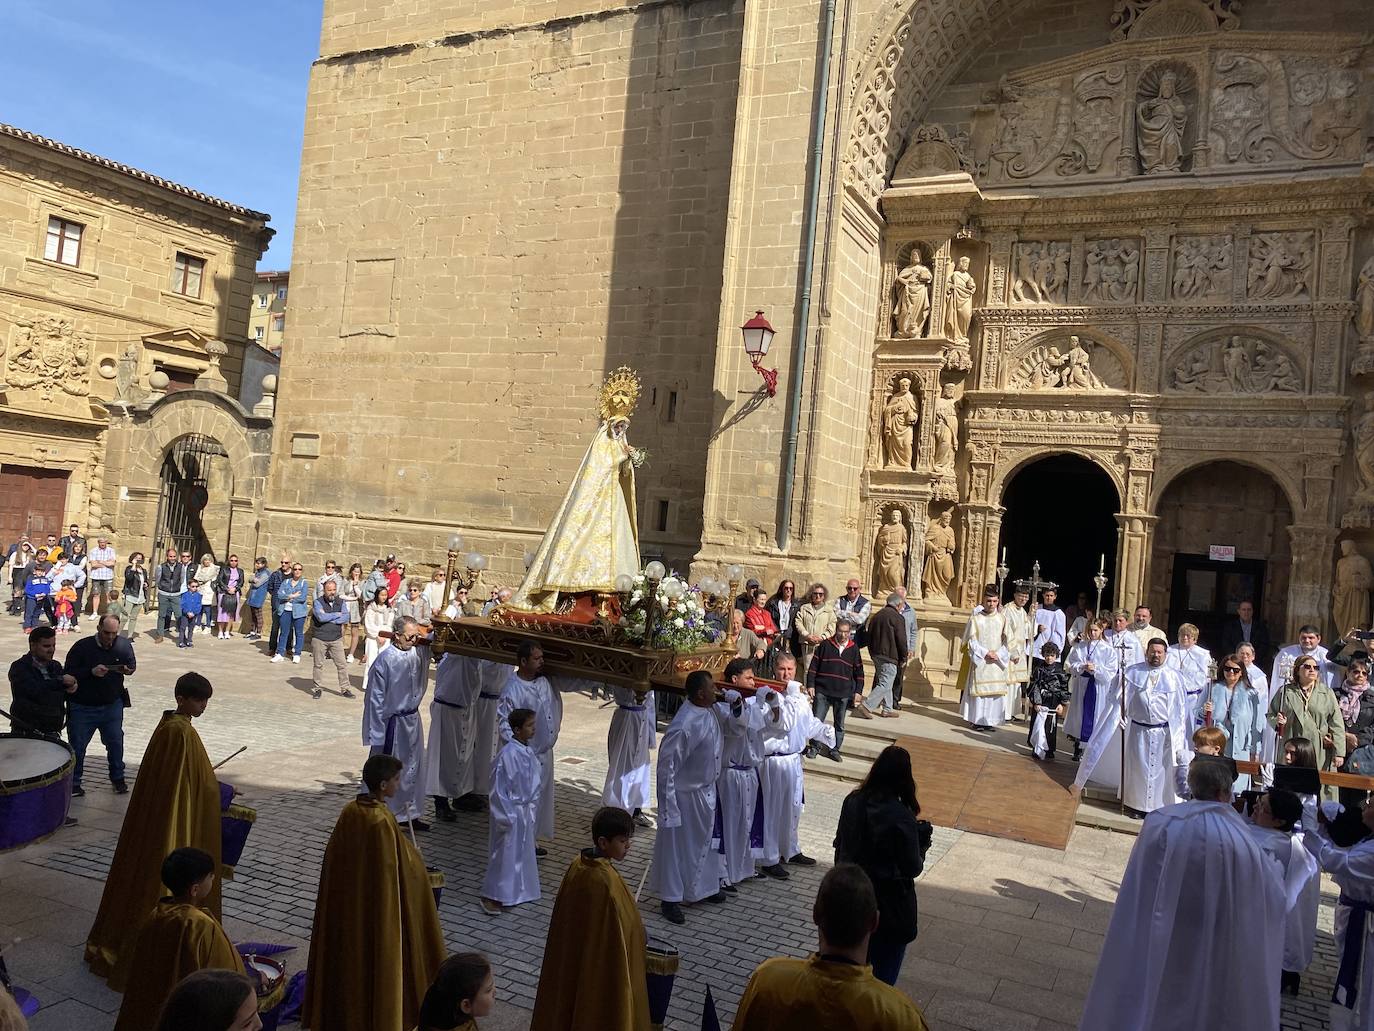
(660, 969)
(234, 824)
(35, 788)
(269, 980)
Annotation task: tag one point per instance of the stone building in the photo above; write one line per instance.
(123, 308)
(267, 311)
(1119, 251)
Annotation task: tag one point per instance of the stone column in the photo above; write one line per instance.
(1134, 543)
(1309, 581)
(976, 559)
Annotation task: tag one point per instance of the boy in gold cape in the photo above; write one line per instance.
(376, 943)
(175, 803)
(593, 974)
(177, 939)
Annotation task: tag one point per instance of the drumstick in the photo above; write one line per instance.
(225, 760)
(410, 824)
(643, 877)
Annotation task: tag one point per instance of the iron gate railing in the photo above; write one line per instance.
(185, 494)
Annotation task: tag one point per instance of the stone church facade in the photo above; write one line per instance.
(1092, 272)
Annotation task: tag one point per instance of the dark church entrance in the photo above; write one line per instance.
(1061, 511)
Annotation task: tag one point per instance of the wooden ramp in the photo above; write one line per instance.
(991, 792)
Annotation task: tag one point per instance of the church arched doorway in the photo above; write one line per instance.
(1061, 511)
(1221, 538)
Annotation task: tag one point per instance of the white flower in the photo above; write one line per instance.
(636, 597)
(679, 622)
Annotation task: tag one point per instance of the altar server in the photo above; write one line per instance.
(1195, 664)
(512, 866)
(1158, 733)
(1278, 830)
(486, 734)
(175, 803)
(177, 939)
(1050, 625)
(1352, 1003)
(528, 688)
(1092, 687)
(448, 755)
(396, 685)
(374, 900)
(593, 977)
(685, 867)
(742, 725)
(1128, 648)
(1020, 635)
(986, 664)
(1196, 938)
(790, 728)
(1309, 643)
(628, 743)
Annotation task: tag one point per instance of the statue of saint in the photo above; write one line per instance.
(913, 299)
(1160, 122)
(959, 302)
(1077, 373)
(939, 567)
(889, 551)
(1364, 302)
(1350, 596)
(1363, 433)
(900, 415)
(594, 536)
(946, 429)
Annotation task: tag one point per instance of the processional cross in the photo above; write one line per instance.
(1034, 585)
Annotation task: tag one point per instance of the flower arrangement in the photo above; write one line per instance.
(679, 624)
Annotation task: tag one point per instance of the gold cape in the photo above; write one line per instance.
(593, 973)
(177, 939)
(174, 804)
(376, 943)
(786, 994)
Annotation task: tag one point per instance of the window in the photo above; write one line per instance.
(281, 293)
(64, 241)
(278, 323)
(262, 300)
(661, 517)
(187, 274)
(257, 333)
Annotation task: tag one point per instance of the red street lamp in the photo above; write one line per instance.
(758, 337)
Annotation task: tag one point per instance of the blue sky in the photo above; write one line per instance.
(210, 95)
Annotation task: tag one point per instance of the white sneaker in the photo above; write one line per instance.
(350, 658)
(295, 658)
(276, 658)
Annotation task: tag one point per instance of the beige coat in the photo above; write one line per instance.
(813, 621)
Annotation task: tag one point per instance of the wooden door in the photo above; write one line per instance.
(32, 501)
(1206, 594)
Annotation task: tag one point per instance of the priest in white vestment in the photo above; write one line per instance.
(786, 738)
(1196, 938)
(1277, 829)
(686, 867)
(1092, 667)
(448, 755)
(396, 685)
(628, 743)
(1195, 664)
(1352, 1005)
(512, 876)
(1309, 643)
(486, 735)
(988, 657)
(738, 789)
(1020, 633)
(528, 688)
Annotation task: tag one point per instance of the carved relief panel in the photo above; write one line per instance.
(1068, 361)
(47, 363)
(1111, 271)
(1202, 271)
(1239, 363)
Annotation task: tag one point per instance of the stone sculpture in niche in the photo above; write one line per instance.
(1364, 302)
(889, 555)
(1048, 368)
(912, 305)
(946, 430)
(1161, 123)
(939, 566)
(1363, 434)
(959, 293)
(1111, 270)
(1202, 268)
(1040, 273)
(1280, 264)
(1350, 595)
(1244, 365)
(900, 415)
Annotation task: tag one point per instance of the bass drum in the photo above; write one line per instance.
(35, 788)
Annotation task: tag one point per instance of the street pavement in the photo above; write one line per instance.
(1009, 933)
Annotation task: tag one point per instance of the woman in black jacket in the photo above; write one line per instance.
(880, 832)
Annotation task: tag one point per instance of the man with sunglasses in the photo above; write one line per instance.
(396, 684)
(815, 623)
(172, 578)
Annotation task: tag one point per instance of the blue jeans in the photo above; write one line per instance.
(34, 607)
(886, 959)
(836, 705)
(884, 677)
(207, 614)
(82, 723)
(291, 626)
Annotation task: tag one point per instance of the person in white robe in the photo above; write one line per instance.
(377, 618)
(1309, 643)
(793, 733)
(738, 788)
(517, 780)
(1277, 829)
(1020, 633)
(448, 755)
(528, 688)
(1158, 735)
(987, 661)
(396, 686)
(1352, 1004)
(1194, 662)
(1234, 705)
(685, 867)
(1197, 932)
(628, 743)
(1050, 624)
(1128, 647)
(1092, 668)
(486, 735)
(1145, 631)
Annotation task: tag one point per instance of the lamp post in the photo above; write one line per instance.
(1003, 571)
(474, 562)
(654, 573)
(758, 338)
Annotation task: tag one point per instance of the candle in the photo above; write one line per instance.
(1004, 554)
(1102, 564)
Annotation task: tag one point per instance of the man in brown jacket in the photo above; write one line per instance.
(887, 649)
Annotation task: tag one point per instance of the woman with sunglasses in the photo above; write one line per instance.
(1234, 705)
(1306, 707)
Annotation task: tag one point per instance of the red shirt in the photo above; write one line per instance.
(393, 583)
(759, 621)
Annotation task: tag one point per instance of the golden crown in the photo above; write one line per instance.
(619, 394)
